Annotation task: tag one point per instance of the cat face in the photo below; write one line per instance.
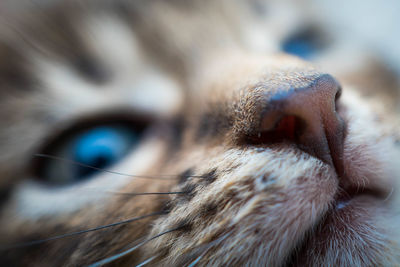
(185, 144)
(268, 196)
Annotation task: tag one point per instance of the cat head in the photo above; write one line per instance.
(167, 132)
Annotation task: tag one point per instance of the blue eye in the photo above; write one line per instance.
(304, 44)
(101, 147)
(98, 147)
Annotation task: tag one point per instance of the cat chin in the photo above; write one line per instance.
(356, 233)
(359, 228)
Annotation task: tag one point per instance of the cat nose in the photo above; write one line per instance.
(308, 117)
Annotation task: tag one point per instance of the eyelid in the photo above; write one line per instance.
(64, 132)
(97, 118)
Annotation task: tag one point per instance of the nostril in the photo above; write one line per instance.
(338, 94)
(337, 97)
(288, 128)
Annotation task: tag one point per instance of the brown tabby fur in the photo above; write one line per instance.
(247, 204)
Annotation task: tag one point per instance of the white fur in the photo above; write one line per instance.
(33, 200)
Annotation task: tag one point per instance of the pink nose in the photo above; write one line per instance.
(308, 117)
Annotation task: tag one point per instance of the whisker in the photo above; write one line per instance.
(158, 177)
(145, 193)
(389, 195)
(146, 261)
(197, 259)
(130, 250)
(36, 242)
(217, 241)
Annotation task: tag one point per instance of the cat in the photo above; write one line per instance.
(172, 133)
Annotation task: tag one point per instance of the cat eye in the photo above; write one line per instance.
(82, 152)
(305, 43)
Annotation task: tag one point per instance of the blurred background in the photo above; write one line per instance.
(358, 41)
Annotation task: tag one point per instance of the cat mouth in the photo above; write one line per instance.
(345, 196)
(351, 212)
